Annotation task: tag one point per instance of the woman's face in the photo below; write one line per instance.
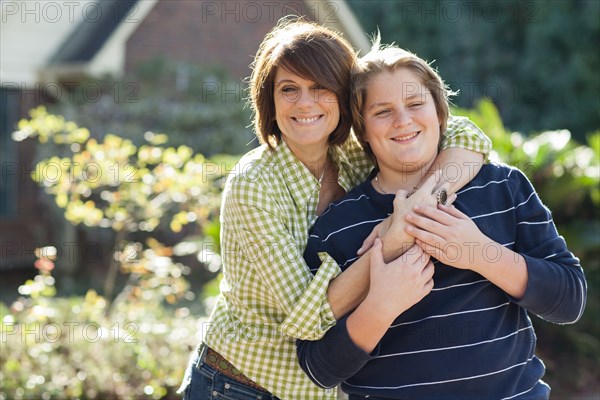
(401, 122)
(306, 113)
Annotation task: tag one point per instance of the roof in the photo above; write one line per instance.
(90, 38)
(90, 35)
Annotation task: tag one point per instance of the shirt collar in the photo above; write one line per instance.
(298, 179)
(348, 176)
(300, 183)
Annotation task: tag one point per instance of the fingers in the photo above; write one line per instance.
(430, 219)
(369, 241)
(455, 212)
(400, 199)
(431, 182)
(414, 255)
(401, 194)
(451, 199)
(432, 250)
(376, 256)
(428, 271)
(424, 237)
(424, 214)
(427, 276)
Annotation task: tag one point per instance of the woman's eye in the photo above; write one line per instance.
(288, 89)
(382, 112)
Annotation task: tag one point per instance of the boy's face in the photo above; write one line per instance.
(401, 122)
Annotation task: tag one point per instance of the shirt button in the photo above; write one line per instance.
(215, 393)
(227, 386)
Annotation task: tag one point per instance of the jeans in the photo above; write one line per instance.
(202, 382)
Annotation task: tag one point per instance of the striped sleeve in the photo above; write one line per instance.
(556, 288)
(333, 359)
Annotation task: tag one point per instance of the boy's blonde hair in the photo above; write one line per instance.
(390, 59)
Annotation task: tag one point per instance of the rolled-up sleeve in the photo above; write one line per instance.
(312, 309)
(256, 238)
(462, 132)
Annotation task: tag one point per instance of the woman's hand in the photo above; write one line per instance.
(392, 230)
(450, 236)
(394, 288)
(398, 285)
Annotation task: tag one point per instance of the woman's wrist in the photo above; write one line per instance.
(395, 243)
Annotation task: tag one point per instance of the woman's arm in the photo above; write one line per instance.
(463, 151)
(264, 266)
(345, 349)
(256, 238)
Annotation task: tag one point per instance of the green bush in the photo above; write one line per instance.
(140, 193)
(134, 344)
(71, 348)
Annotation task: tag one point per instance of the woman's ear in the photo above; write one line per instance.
(364, 136)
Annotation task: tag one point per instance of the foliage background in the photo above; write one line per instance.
(537, 60)
(538, 63)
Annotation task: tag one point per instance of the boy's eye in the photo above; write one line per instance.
(417, 104)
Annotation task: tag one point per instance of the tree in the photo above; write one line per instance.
(536, 60)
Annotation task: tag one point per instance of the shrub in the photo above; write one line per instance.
(74, 348)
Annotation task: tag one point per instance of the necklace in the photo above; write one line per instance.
(381, 189)
(320, 180)
(379, 185)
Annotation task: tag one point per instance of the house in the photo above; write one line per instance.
(48, 48)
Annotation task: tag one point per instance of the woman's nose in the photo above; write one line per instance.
(306, 98)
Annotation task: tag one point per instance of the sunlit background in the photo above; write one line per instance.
(119, 121)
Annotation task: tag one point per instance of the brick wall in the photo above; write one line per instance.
(225, 33)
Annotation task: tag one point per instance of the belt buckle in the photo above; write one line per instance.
(202, 350)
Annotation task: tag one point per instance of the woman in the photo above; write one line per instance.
(268, 295)
(459, 329)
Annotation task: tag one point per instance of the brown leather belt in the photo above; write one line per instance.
(221, 365)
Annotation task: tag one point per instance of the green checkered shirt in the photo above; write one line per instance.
(268, 295)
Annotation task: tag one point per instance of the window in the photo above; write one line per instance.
(9, 166)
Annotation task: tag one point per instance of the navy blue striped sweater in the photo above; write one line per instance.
(467, 339)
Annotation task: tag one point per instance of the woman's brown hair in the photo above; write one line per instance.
(311, 51)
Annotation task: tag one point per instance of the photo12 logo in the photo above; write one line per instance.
(73, 92)
(268, 11)
(71, 332)
(67, 11)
